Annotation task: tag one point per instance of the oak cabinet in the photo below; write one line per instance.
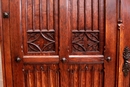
(64, 43)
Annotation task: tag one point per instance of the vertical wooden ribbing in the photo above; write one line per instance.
(33, 6)
(48, 13)
(79, 75)
(51, 79)
(35, 76)
(96, 79)
(57, 79)
(28, 85)
(25, 78)
(71, 14)
(31, 79)
(101, 15)
(48, 76)
(38, 78)
(92, 76)
(81, 14)
(25, 21)
(44, 12)
(37, 14)
(92, 14)
(26, 14)
(95, 14)
(101, 78)
(71, 76)
(88, 77)
(74, 14)
(54, 14)
(101, 24)
(78, 17)
(71, 79)
(82, 78)
(85, 27)
(29, 15)
(41, 15)
(44, 79)
(88, 15)
(51, 15)
(98, 13)
(56, 24)
(76, 76)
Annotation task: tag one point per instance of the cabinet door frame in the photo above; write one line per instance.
(5, 45)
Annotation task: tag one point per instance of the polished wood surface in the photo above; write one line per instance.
(64, 43)
(124, 38)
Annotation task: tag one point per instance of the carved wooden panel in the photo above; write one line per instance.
(85, 41)
(40, 26)
(87, 26)
(41, 75)
(85, 75)
(40, 42)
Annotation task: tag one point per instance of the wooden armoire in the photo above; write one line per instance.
(65, 43)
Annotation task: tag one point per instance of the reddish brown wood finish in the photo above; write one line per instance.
(124, 38)
(45, 32)
(6, 52)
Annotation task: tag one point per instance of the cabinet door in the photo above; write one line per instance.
(91, 47)
(63, 43)
(34, 42)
